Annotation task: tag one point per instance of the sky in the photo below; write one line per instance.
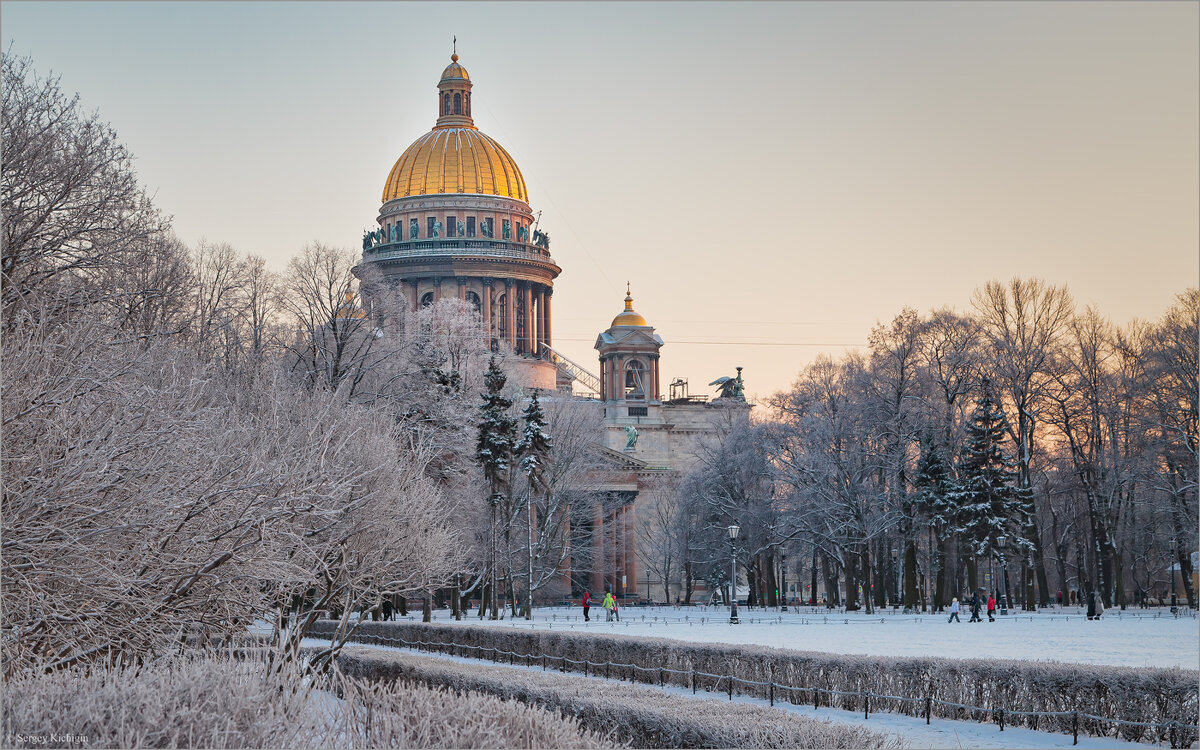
(773, 179)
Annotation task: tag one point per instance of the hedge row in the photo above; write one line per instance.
(1155, 696)
(627, 714)
(224, 703)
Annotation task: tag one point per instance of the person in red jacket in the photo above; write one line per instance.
(587, 604)
(991, 608)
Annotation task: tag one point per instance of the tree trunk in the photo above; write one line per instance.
(851, 581)
(770, 581)
(867, 577)
(812, 584)
(427, 607)
(911, 592)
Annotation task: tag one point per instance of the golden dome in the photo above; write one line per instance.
(628, 317)
(455, 157)
(455, 160)
(454, 70)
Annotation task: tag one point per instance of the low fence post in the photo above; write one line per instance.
(816, 698)
(866, 704)
(730, 687)
(586, 664)
(693, 682)
(1075, 727)
(660, 677)
(1001, 712)
(607, 664)
(928, 708)
(771, 691)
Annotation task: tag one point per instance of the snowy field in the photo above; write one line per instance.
(1134, 638)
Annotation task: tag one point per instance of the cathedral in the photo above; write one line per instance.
(456, 220)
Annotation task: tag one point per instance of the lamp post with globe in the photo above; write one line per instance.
(733, 615)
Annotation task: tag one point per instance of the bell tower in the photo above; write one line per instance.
(629, 349)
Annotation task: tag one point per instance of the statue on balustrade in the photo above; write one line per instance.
(507, 229)
(394, 233)
(541, 239)
(485, 228)
(437, 229)
(731, 388)
(462, 229)
(412, 229)
(366, 240)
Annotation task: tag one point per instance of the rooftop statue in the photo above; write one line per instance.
(412, 229)
(462, 229)
(394, 233)
(366, 240)
(507, 230)
(541, 239)
(437, 229)
(631, 437)
(731, 388)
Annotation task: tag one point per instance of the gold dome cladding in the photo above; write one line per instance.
(628, 317)
(455, 160)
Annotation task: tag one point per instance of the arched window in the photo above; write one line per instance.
(457, 103)
(635, 380)
(446, 103)
(501, 308)
(426, 299)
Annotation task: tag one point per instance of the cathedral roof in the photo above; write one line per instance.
(455, 157)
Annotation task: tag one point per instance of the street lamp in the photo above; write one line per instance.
(783, 580)
(733, 532)
(1000, 542)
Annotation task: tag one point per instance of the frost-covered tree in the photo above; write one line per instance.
(935, 502)
(990, 503)
(494, 451)
(533, 450)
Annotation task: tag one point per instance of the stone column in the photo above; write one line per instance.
(598, 552)
(486, 311)
(462, 288)
(510, 304)
(529, 320)
(437, 290)
(546, 336)
(630, 548)
(414, 296)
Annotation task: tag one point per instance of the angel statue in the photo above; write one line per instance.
(731, 388)
(631, 436)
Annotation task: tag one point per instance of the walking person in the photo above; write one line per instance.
(587, 604)
(991, 608)
(954, 611)
(1091, 605)
(608, 606)
(616, 611)
(975, 608)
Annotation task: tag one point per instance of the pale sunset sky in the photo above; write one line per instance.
(773, 179)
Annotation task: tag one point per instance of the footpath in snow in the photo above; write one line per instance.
(1134, 638)
(911, 730)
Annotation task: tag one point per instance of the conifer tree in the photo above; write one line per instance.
(497, 433)
(990, 502)
(937, 502)
(534, 451)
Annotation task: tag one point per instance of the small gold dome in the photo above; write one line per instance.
(628, 317)
(455, 160)
(454, 71)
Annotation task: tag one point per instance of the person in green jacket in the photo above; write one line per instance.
(608, 604)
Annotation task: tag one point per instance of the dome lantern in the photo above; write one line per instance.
(454, 97)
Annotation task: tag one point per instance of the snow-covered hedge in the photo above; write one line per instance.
(1152, 695)
(628, 714)
(232, 704)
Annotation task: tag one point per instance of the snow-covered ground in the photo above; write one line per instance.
(911, 730)
(1135, 638)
